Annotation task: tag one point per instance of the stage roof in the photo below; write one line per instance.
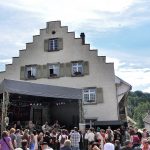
(43, 90)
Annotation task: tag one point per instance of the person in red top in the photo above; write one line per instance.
(135, 139)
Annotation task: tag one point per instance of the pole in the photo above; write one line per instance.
(5, 102)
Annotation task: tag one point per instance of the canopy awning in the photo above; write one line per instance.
(43, 90)
(107, 123)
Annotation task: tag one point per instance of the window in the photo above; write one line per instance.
(31, 72)
(89, 95)
(77, 69)
(53, 44)
(54, 70)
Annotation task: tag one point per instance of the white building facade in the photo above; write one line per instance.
(56, 57)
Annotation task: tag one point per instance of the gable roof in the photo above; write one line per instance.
(147, 118)
(34, 89)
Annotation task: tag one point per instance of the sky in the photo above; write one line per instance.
(118, 29)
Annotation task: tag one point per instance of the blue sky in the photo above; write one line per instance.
(119, 29)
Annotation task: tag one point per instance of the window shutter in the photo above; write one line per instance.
(99, 95)
(46, 45)
(22, 73)
(60, 43)
(68, 69)
(86, 67)
(38, 71)
(61, 70)
(45, 71)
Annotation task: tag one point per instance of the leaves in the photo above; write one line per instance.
(138, 106)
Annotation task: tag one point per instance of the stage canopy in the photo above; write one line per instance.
(42, 90)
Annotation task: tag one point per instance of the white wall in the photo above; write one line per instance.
(147, 126)
(101, 73)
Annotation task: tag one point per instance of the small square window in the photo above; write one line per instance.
(89, 95)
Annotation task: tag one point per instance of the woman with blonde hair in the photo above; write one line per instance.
(5, 142)
(13, 137)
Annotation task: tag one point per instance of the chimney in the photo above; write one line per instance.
(82, 35)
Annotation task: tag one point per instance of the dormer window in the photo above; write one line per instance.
(77, 68)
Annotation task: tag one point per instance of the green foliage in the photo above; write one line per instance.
(140, 112)
(138, 105)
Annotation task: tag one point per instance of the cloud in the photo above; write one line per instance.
(95, 17)
(99, 14)
(6, 61)
(147, 90)
(130, 67)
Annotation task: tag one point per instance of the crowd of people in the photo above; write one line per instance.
(54, 138)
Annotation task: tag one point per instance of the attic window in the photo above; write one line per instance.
(53, 44)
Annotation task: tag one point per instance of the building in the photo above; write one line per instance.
(58, 61)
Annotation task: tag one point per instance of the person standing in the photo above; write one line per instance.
(13, 137)
(85, 139)
(18, 138)
(75, 139)
(5, 142)
(128, 145)
(67, 145)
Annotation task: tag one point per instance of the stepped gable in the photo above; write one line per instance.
(51, 28)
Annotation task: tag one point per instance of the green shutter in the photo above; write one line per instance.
(45, 71)
(46, 45)
(38, 71)
(61, 70)
(68, 69)
(99, 95)
(86, 67)
(60, 43)
(22, 73)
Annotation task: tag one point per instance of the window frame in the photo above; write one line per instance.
(31, 77)
(90, 93)
(77, 65)
(54, 66)
(54, 46)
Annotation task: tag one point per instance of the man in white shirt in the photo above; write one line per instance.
(91, 136)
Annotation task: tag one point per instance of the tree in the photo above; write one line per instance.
(140, 112)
